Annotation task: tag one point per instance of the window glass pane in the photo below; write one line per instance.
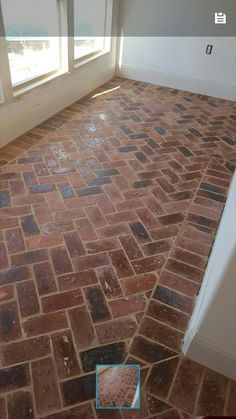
(89, 26)
(32, 29)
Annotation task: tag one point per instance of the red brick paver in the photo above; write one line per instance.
(108, 212)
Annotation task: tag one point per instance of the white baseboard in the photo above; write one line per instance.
(206, 352)
(204, 87)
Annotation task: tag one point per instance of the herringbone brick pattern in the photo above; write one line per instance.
(108, 214)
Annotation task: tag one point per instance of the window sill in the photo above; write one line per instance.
(81, 61)
(25, 89)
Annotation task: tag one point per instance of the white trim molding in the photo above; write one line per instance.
(217, 357)
(205, 87)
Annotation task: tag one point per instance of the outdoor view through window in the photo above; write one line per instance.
(89, 32)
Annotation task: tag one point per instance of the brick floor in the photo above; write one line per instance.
(117, 386)
(108, 212)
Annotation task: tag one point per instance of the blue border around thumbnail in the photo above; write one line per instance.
(118, 407)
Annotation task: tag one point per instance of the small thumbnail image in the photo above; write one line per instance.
(118, 386)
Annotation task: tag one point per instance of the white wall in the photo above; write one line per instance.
(178, 62)
(27, 110)
(211, 335)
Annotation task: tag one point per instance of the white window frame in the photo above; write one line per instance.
(66, 49)
(6, 90)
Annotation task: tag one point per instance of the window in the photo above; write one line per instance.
(43, 39)
(32, 36)
(89, 27)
